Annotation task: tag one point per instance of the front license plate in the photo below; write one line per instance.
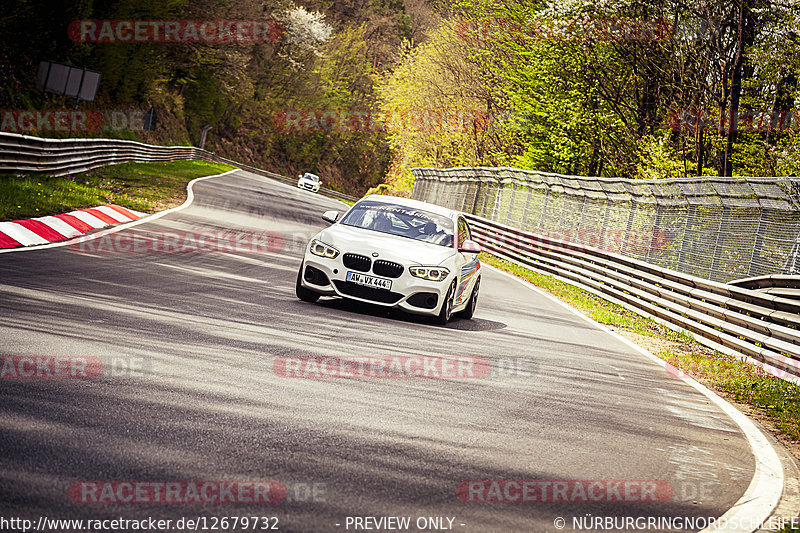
(369, 281)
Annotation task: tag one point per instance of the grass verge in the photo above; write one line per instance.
(769, 398)
(146, 187)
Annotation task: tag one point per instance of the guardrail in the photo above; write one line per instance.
(777, 284)
(728, 318)
(61, 157)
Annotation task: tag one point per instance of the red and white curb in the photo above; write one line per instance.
(49, 229)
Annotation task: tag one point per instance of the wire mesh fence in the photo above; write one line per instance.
(720, 229)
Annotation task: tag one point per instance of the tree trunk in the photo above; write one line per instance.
(700, 153)
(720, 162)
(744, 37)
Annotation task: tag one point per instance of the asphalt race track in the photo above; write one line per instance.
(203, 331)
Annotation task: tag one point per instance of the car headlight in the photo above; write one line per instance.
(429, 273)
(323, 250)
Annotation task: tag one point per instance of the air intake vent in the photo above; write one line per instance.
(425, 300)
(367, 293)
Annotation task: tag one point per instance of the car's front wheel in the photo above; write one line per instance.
(447, 308)
(304, 294)
(469, 310)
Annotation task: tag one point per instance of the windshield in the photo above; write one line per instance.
(312, 177)
(401, 220)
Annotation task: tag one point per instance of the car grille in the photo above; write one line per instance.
(357, 262)
(387, 269)
(367, 293)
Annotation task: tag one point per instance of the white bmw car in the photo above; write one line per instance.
(395, 252)
(308, 181)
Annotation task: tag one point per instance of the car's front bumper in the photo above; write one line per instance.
(412, 294)
(308, 186)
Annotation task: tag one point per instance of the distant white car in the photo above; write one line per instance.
(395, 252)
(308, 181)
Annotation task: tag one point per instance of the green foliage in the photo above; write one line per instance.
(341, 80)
(565, 98)
(569, 121)
(659, 160)
(437, 108)
(237, 88)
(205, 102)
(787, 155)
(574, 103)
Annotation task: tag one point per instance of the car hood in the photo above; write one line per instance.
(391, 247)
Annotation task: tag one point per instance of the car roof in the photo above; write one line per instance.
(416, 204)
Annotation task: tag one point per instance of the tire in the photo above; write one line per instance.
(469, 310)
(304, 294)
(447, 308)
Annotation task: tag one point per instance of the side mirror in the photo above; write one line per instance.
(299, 175)
(470, 247)
(330, 216)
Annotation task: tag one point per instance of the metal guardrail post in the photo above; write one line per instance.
(415, 189)
(690, 214)
(759, 239)
(656, 224)
(477, 195)
(463, 195)
(498, 195)
(563, 216)
(583, 214)
(723, 223)
(604, 227)
(486, 194)
(544, 208)
(628, 227)
(511, 202)
(524, 222)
